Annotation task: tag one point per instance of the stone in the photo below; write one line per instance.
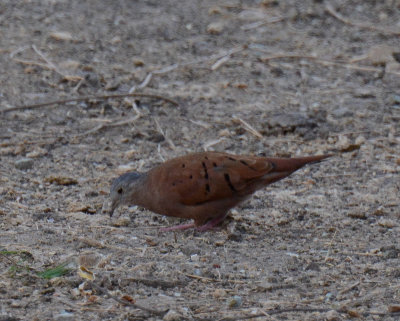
(24, 163)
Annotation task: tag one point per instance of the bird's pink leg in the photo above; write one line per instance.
(207, 226)
(212, 223)
(177, 227)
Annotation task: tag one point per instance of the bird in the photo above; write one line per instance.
(202, 186)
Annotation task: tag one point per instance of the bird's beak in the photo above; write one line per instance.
(112, 209)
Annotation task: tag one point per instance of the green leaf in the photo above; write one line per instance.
(58, 271)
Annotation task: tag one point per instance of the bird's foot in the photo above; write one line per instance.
(211, 224)
(177, 227)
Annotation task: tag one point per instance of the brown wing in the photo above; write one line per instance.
(204, 177)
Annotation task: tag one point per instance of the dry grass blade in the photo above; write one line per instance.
(324, 62)
(214, 142)
(347, 21)
(87, 98)
(109, 125)
(126, 302)
(248, 127)
(161, 131)
(257, 24)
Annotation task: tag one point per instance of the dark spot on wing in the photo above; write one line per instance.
(191, 176)
(205, 170)
(232, 159)
(245, 163)
(228, 181)
(173, 184)
(215, 165)
(183, 165)
(205, 157)
(207, 188)
(273, 165)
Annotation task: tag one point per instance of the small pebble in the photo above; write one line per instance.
(388, 223)
(342, 112)
(37, 152)
(65, 315)
(215, 28)
(16, 304)
(61, 36)
(197, 272)
(194, 258)
(328, 296)
(235, 301)
(219, 293)
(396, 99)
(332, 315)
(360, 140)
(172, 316)
(24, 163)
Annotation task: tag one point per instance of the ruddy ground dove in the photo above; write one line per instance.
(202, 186)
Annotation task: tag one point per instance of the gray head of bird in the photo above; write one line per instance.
(125, 189)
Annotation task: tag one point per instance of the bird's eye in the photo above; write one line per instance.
(120, 190)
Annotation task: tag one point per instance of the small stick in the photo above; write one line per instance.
(322, 61)
(146, 80)
(48, 62)
(351, 287)
(360, 254)
(136, 109)
(157, 282)
(200, 123)
(338, 16)
(32, 63)
(248, 127)
(257, 24)
(18, 50)
(207, 145)
(166, 69)
(86, 98)
(78, 85)
(160, 130)
(159, 153)
(220, 62)
(116, 124)
(330, 246)
(201, 60)
(211, 279)
(276, 311)
(221, 59)
(126, 302)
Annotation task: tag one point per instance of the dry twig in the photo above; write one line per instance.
(116, 124)
(323, 62)
(206, 279)
(248, 127)
(47, 65)
(126, 302)
(86, 98)
(214, 142)
(349, 288)
(160, 130)
(347, 21)
(158, 283)
(305, 310)
(221, 58)
(257, 24)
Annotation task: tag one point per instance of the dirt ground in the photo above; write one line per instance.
(278, 78)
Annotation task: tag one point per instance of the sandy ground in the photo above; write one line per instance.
(268, 77)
